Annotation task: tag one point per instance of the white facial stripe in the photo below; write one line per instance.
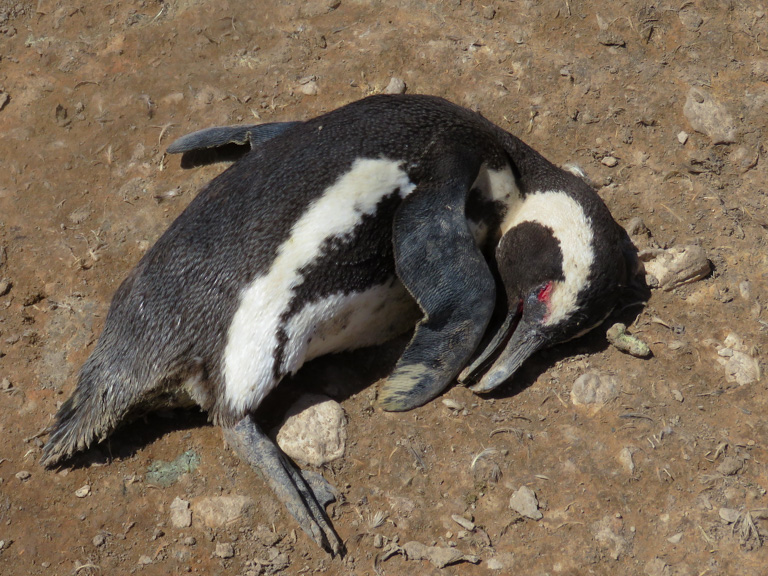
(252, 336)
(570, 225)
(348, 321)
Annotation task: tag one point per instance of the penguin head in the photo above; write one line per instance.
(562, 265)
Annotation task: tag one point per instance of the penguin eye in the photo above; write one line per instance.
(545, 293)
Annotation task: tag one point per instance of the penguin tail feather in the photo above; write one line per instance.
(94, 410)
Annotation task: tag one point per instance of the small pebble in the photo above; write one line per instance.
(5, 384)
(745, 289)
(676, 538)
(463, 522)
(682, 137)
(625, 458)
(99, 540)
(609, 161)
(677, 395)
(5, 286)
(224, 550)
(83, 491)
(729, 515)
(145, 560)
(309, 89)
(636, 226)
(452, 404)
(189, 541)
(23, 475)
(489, 12)
(524, 502)
(378, 541)
(730, 466)
(438, 556)
(395, 86)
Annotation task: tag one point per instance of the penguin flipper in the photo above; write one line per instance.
(224, 143)
(438, 261)
(303, 497)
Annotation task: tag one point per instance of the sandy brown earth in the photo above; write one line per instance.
(669, 478)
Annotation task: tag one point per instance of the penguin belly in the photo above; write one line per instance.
(348, 321)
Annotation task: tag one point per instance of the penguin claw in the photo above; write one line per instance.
(303, 494)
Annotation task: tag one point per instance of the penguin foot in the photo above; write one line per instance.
(303, 495)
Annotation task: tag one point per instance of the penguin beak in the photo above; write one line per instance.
(519, 338)
(526, 340)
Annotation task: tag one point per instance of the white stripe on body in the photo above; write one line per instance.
(571, 226)
(249, 355)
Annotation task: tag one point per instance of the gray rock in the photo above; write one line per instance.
(224, 550)
(710, 117)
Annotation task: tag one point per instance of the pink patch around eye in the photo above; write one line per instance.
(545, 293)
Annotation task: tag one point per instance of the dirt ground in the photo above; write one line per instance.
(670, 478)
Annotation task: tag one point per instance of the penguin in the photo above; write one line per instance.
(340, 232)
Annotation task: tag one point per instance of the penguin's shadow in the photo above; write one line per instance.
(130, 437)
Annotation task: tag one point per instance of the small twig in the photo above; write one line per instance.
(636, 415)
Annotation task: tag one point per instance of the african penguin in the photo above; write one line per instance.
(341, 232)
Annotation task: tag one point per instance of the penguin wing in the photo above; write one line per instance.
(440, 264)
(224, 143)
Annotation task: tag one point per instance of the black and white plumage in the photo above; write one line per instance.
(337, 233)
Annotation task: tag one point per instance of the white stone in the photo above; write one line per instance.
(524, 502)
(83, 491)
(710, 117)
(309, 89)
(668, 269)
(625, 458)
(181, 515)
(219, 511)
(395, 86)
(729, 515)
(594, 388)
(315, 430)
